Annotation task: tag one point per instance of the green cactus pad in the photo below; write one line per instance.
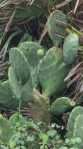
(6, 96)
(5, 129)
(70, 48)
(72, 118)
(55, 29)
(78, 127)
(20, 65)
(23, 92)
(14, 83)
(30, 51)
(60, 105)
(52, 72)
(27, 92)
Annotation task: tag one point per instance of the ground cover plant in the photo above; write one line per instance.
(41, 72)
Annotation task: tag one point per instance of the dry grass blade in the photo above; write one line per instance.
(9, 22)
(76, 76)
(74, 70)
(6, 3)
(62, 4)
(76, 5)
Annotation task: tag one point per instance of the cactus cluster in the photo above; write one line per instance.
(75, 123)
(31, 66)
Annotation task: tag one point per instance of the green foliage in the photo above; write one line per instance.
(27, 12)
(52, 72)
(72, 119)
(15, 118)
(70, 47)
(14, 83)
(20, 65)
(35, 76)
(61, 105)
(23, 92)
(30, 51)
(78, 127)
(72, 143)
(19, 76)
(7, 99)
(27, 92)
(5, 129)
(20, 11)
(30, 134)
(55, 29)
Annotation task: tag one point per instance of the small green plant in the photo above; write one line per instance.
(30, 134)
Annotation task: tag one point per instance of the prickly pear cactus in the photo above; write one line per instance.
(52, 72)
(23, 92)
(14, 83)
(78, 127)
(20, 65)
(72, 118)
(61, 105)
(7, 98)
(27, 92)
(33, 56)
(55, 30)
(5, 129)
(70, 48)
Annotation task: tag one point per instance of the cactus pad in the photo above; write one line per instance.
(70, 48)
(14, 83)
(30, 51)
(78, 127)
(27, 92)
(52, 72)
(55, 29)
(6, 96)
(60, 105)
(72, 118)
(20, 65)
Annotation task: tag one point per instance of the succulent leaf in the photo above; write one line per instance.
(14, 83)
(55, 30)
(72, 118)
(52, 72)
(30, 51)
(70, 48)
(20, 65)
(78, 127)
(7, 98)
(61, 105)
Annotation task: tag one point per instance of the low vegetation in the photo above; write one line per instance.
(41, 72)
